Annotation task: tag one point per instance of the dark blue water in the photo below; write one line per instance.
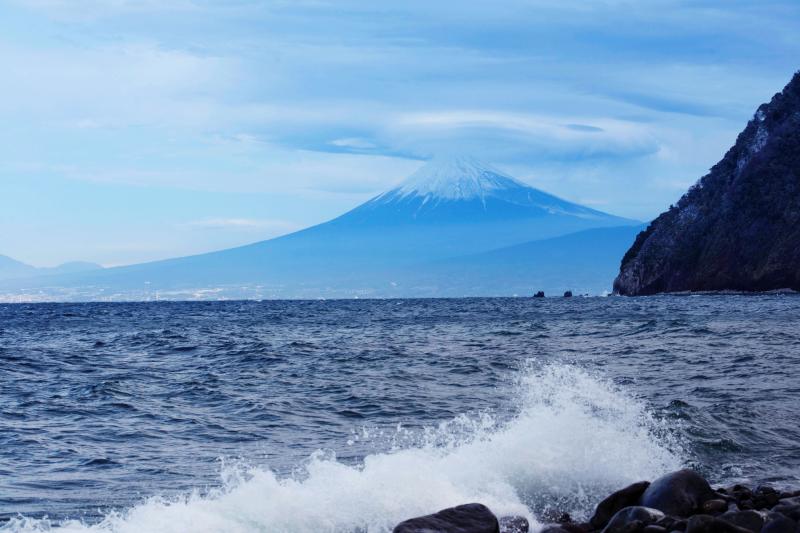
(283, 416)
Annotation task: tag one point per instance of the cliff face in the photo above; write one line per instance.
(738, 228)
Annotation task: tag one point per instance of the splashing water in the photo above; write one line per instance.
(573, 439)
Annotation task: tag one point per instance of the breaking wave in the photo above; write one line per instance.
(573, 438)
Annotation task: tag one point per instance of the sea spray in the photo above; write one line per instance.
(572, 439)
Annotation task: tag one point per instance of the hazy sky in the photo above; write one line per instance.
(136, 130)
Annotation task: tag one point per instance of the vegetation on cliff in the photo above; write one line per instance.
(738, 228)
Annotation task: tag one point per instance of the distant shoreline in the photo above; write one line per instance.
(776, 292)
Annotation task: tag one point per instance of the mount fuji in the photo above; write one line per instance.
(453, 207)
(408, 241)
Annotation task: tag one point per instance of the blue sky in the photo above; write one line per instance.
(139, 130)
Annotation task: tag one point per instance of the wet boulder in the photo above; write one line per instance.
(672, 524)
(765, 497)
(553, 528)
(740, 492)
(680, 493)
(790, 501)
(714, 507)
(741, 495)
(752, 520)
(790, 507)
(704, 523)
(575, 527)
(565, 524)
(632, 519)
(469, 518)
(627, 497)
(779, 523)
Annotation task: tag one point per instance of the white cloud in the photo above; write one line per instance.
(503, 132)
(353, 142)
(113, 86)
(265, 168)
(92, 10)
(243, 224)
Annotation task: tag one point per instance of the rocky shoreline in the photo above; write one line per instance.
(736, 228)
(680, 502)
(731, 292)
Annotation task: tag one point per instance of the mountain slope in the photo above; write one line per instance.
(584, 262)
(447, 209)
(11, 268)
(738, 228)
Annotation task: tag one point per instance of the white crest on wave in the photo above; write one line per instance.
(573, 438)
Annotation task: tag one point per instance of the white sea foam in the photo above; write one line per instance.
(574, 438)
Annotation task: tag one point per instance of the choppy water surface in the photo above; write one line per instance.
(352, 415)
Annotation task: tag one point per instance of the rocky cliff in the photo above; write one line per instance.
(738, 228)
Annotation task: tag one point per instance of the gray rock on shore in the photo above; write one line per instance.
(680, 493)
(469, 518)
(679, 502)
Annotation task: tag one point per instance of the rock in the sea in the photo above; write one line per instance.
(765, 497)
(469, 518)
(789, 507)
(779, 523)
(514, 524)
(553, 528)
(738, 228)
(715, 506)
(575, 527)
(680, 493)
(672, 524)
(752, 520)
(741, 494)
(632, 519)
(791, 500)
(703, 523)
(626, 497)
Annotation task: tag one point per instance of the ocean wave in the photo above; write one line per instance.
(573, 438)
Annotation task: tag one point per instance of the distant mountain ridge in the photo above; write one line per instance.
(448, 209)
(12, 269)
(738, 228)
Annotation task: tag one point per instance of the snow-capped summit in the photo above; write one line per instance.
(457, 178)
(463, 189)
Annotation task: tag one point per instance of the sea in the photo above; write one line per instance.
(352, 415)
